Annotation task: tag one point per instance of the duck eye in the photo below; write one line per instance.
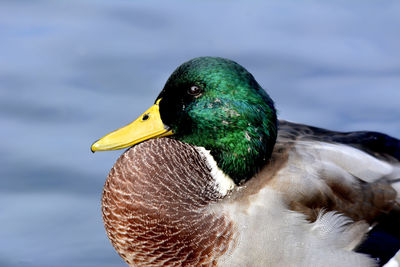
(194, 90)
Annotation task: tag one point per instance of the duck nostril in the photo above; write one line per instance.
(145, 117)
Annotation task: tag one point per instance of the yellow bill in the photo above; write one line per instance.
(148, 125)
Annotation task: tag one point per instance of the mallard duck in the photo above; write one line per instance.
(212, 178)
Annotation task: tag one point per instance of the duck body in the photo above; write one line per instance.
(234, 187)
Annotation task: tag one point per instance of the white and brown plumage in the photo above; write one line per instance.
(160, 216)
(310, 203)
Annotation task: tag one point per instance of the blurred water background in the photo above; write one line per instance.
(72, 71)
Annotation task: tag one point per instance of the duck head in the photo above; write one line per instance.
(213, 103)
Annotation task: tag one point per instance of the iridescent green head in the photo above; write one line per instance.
(217, 104)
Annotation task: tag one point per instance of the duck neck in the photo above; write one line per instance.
(242, 159)
(239, 149)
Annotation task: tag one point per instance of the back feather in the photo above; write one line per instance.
(360, 174)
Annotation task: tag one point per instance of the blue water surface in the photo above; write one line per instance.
(72, 71)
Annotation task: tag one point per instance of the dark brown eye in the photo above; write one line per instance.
(194, 90)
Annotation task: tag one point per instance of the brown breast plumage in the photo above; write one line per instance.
(156, 207)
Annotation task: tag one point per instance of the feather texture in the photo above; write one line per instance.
(235, 187)
(311, 205)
